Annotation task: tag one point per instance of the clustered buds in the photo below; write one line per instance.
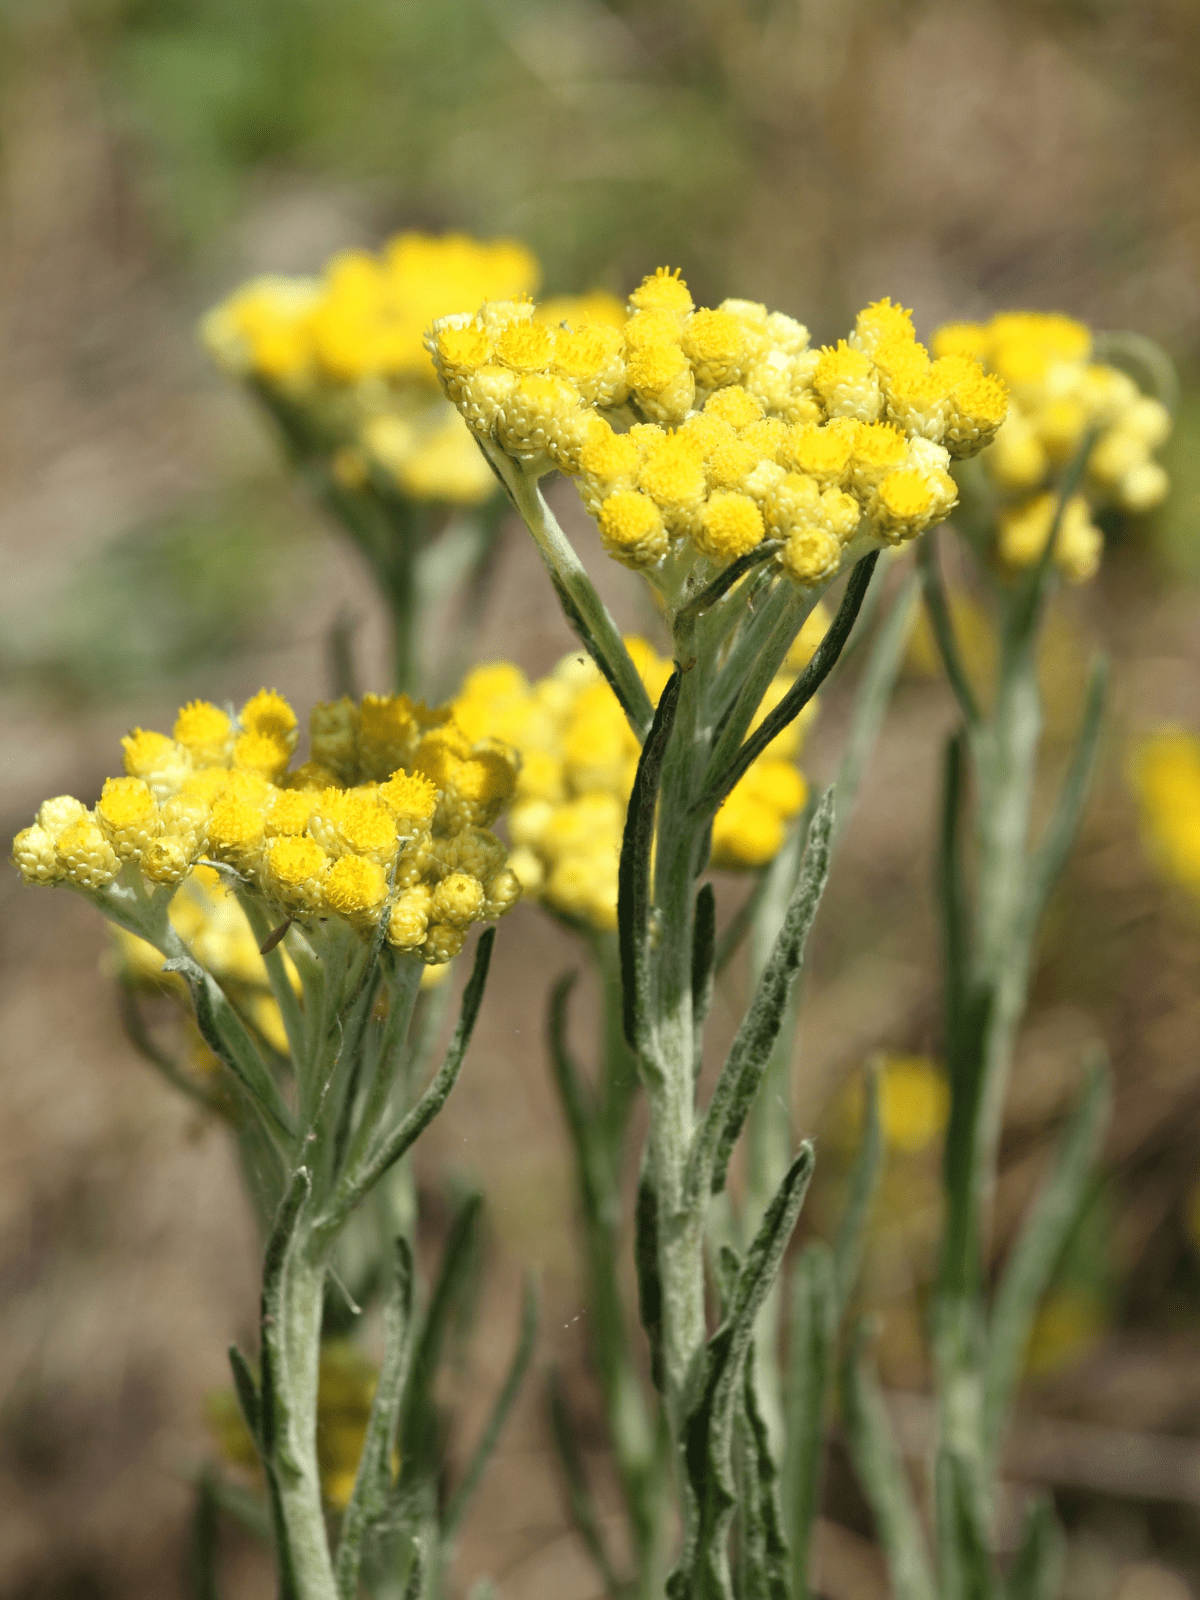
(578, 759)
(344, 354)
(389, 816)
(1060, 396)
(706, 431)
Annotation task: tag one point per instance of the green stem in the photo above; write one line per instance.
(585, 610)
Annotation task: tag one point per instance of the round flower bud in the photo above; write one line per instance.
(162, 763)
(904, 505)
(501, 894)
(269, 714)
(56, 815)
(294, 873)
(204, 732)
(85, 855)
(734, 405)
(443, 942)
(408, 917)
(811, 556)
(632, 529)
(484, 396)
(662, 290)
(458, 899)
(662, 382)
(1143, 487)
(166, 860)
(717, 346)
(848, 383)
(235, 830)
(128, 815)
(728, 526)
(34, 856)
(356, 889)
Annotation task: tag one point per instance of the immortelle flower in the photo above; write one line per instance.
(1166, 774)
(695, 434)
(578, 759)
(346, 350)
(389, 817)
(1059, 396)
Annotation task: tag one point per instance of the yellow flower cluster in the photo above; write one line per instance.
(1167, 776)
(207, 917)
(705, 431)
(578, 759)
(389, 815)
(1059, 395)
(348, 348)
(345, 1392)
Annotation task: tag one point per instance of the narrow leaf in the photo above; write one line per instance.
(813, 1335)
(1037, 1567)
(704, 947)
(579, 1496)
(871, 699)
(755, 1039)
(938, 611)
(1035, 1255)
(273, 1411)
(864, 1175)
(1051, 854)
(369, 1498)
(733, 573)
(708, 1431)
(227, 1036)
(966, 1562)
(801, 692)
(573, 1091)
(205, 1584)
(645, 1257)
(245, 1386)
(883, 1478)
(418, 1434)
(633, 882)
(951, 888)
(358, 1182)
(766, 1567)
(505, 1400)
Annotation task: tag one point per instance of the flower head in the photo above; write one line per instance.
(394, 797)
(1058, 397)
(697, 431)
(345, 354)
(578, 759)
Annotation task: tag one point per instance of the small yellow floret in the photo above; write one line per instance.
(735, 406)
(458, 899)
(264, 753)
(904, 505)
(411, 798)
(728, 526)
(147, 753)
(632, 529)
(128, 814)
(663, 290)
(204, 730)
(716, 345)
(356, 889)
(526, 347)
(269, 714)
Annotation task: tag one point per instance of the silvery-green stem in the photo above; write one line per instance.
(585, 611)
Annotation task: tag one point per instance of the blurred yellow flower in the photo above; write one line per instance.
(346, 1390)
(1166, 774)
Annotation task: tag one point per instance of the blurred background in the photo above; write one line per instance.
(814, 154)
